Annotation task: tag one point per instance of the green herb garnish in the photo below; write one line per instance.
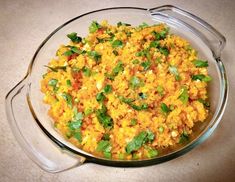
(86, 71)
(107, 89)
(68, 98)
(78, 136)
(146, 65)
(116, 70)
(184, 96)
(173, 70)
(104, 118)
(161, 129)
(184, 137)
(133, 122)
(55, 69)
(161, 35)
(165, 109)
(135, 82)
(94, 55)
(53, 82)
(160, 90)
(100, 97)
(74, 38)
(68, 83)
(130, 101)
(143, 25)
(126, 100)
(88, 111)
(117, 43)
(100, 40)
(144, 53)
(73, 50)
(106, 136)
(150, 136)
(200, 63)
(94, 27)
(105, 147)
(158, 61)
(135, 61)
(154, 44)
(75, 125)
(75, 69)
(123, 24)
(140, 53)
(201, 77)
(204, 102)
(164, 51)
(151, 152)
(140, 107)
(137, 142)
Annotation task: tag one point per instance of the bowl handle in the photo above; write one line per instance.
(214, 39)
(29, 135)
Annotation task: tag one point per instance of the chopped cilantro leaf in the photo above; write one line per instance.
(140, 107)
(184, 137)
(154, 44)
(135, 82)
(53, 82)
(68, 98)
(107, 89)
(104, 118)
(160, 90)
(204, 102)
(116, 70)
(135, 61)
(106, 137)
(184, 96)
(201, 77)
(165, 109)
(173, 70)
(78, 136)
(74, 38)
(200, 63)
(152, 153)
(161, 129)
(143, 25)
(137, 142)
(100, 97)
(117, 43)
(146, 65)
(94, 27)
(164, 51)
(88, 111)
(55, 69)
(86, 71)
(94, 55)
(133, 122)
(123, 24)
(68, 83)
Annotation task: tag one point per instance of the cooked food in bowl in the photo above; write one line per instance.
(126, 92)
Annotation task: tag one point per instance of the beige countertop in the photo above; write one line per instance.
(23, 26)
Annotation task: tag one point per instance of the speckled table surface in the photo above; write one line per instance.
(23, 26)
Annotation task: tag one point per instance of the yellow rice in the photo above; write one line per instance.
(167, 127)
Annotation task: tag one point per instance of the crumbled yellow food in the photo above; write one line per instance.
(107, 88)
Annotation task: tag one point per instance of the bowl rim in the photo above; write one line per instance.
(143, 162)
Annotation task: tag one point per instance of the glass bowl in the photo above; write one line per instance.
(32, 126)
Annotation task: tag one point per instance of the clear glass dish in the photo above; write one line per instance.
(32, 126)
